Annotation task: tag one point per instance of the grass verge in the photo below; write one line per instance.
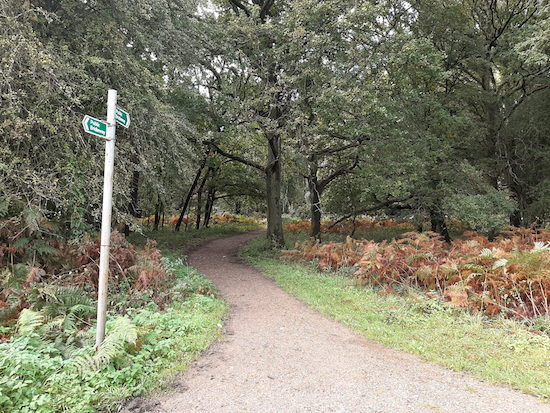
(499, 350)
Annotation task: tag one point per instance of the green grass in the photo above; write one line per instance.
(500, 350)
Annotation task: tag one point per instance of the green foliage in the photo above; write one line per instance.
(29, 320)
(162, 314)
(487, 213)
(39, 374)
(58, 62)
(121, 333)
(26, 364)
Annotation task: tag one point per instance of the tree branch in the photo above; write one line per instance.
(234, 157)
(338, 149)
(237, 5)
(370, 209)
(342, 170)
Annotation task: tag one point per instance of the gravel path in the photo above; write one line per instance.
(279, 356)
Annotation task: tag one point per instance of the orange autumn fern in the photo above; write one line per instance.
(510, 274)
(331, 256)
(344, 227)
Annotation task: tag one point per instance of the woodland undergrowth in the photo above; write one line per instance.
(509, 275)
(348, 226)
(160, 313)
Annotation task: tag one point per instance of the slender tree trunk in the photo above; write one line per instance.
(354, 220)
(209, 205)
(190, 195)
(158, 211)
(315, 191)
(199, 199)
(315, 213)
(273, 191)
(133, 204)
(210, 197)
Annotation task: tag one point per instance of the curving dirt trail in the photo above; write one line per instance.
(279, 356)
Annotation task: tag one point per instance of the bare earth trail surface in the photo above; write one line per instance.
(279, 356)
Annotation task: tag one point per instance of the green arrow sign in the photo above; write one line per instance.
(122, 117)
(95, 126)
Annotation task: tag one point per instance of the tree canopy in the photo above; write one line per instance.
(436, 109)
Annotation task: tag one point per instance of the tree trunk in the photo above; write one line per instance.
(199, 199)
(439, 225)
(315, 212)
(190, 194)
(210, 197)
(315, 191)
(158, 211)
(273, 191)
(133, 204)
(209, 205)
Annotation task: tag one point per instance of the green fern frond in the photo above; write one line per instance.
(52, 328)
(33, 216)
(14, 276)
(476, 268)
(29, 321)
(41, 248)
(69, 323)
(64, 300)
(123, 331)
(82, 310)
(21, 243)
(82, 364)
(4, 200)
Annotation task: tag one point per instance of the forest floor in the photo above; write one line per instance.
(277, 355)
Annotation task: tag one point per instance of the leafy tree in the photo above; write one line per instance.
(289, 67)
(242, 73)
(68, 54)
(495, 64)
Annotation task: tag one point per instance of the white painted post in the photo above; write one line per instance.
(106, 217)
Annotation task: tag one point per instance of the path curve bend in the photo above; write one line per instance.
(279, 356)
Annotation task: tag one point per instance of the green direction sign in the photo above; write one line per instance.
(122, 117)
(95, 126)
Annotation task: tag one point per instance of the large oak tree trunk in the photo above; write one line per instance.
(273, 191)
